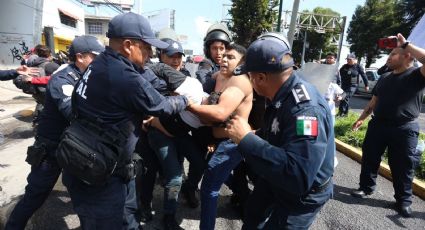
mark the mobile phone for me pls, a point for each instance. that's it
(387, 43)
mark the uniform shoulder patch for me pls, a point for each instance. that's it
(307, 126)
(300, 93)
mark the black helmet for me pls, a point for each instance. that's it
(216, 32)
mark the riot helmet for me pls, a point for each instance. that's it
(216, 32)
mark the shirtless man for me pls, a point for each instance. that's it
(235, 98)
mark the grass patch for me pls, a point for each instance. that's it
(344, 133)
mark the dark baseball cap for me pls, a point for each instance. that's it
(85, 44)
(135, 26)
(173, 47)
(351, 56)
(266, 53)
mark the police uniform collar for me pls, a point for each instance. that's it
(73, 71)
(285, 90)
(110, 51)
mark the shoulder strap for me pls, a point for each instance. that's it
(300, 93)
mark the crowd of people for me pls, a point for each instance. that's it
(113, 123)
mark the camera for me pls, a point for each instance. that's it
(387, 43)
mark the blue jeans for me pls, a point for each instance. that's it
(171, 165)
(170, 152)
(223, 161)
(41, 181)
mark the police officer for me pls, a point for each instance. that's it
(396, 105)
(114, 91)
(293, 152)
(53, 120)
(173, 55)
(215, 42)
(349, 82)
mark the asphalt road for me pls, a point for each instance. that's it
(342, 212)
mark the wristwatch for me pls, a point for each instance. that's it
(405, 45)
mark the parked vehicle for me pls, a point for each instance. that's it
(372, 77)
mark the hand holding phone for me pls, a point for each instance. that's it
(387, 43)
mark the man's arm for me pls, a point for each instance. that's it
(228, 102)
(8, 74)
(146, 99)
(13, 73)
(61, 91)
(415, 51)
(173, 77)
(291, 163)
(364, 77)
(366, 112)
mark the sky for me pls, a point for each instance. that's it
(193, 17)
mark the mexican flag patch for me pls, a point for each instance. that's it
(307, 126)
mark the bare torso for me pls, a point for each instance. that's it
(235, 87)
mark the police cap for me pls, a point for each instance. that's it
(266, 54)
(85, 44)
(173, 47)
(135, 26)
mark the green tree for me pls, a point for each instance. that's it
(374, 20)
(250, 18)
(319, 44)
(412, 11)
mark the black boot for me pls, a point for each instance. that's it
(190, 195)
(146, 213)
(170, 223)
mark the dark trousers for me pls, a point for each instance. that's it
(265, 209)
(401, 141)
(110, 206)
(41, 181)
(145, 181)
(344, 105)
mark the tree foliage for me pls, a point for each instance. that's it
(381, 18)
(412, 11)
(318, 43)
(251, 18)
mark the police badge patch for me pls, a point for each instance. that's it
(307, 126)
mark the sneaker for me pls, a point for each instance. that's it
(190, 195)
(170, 223)
(359, 193)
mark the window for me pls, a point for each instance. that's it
(67, 20)
(95, 28)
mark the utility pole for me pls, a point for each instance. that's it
(341, 38)
(279, 19)
(291, 31)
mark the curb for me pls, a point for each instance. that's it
(418, 186)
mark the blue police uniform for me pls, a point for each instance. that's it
(294, 166)
(8, 74)
(113, 92)
(54, 119)
(204, 74)
(349, 82)
(394, 126)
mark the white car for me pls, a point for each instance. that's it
(372, 77)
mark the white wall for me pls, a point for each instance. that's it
(20, 26)
(159, 19)
(51, 18)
